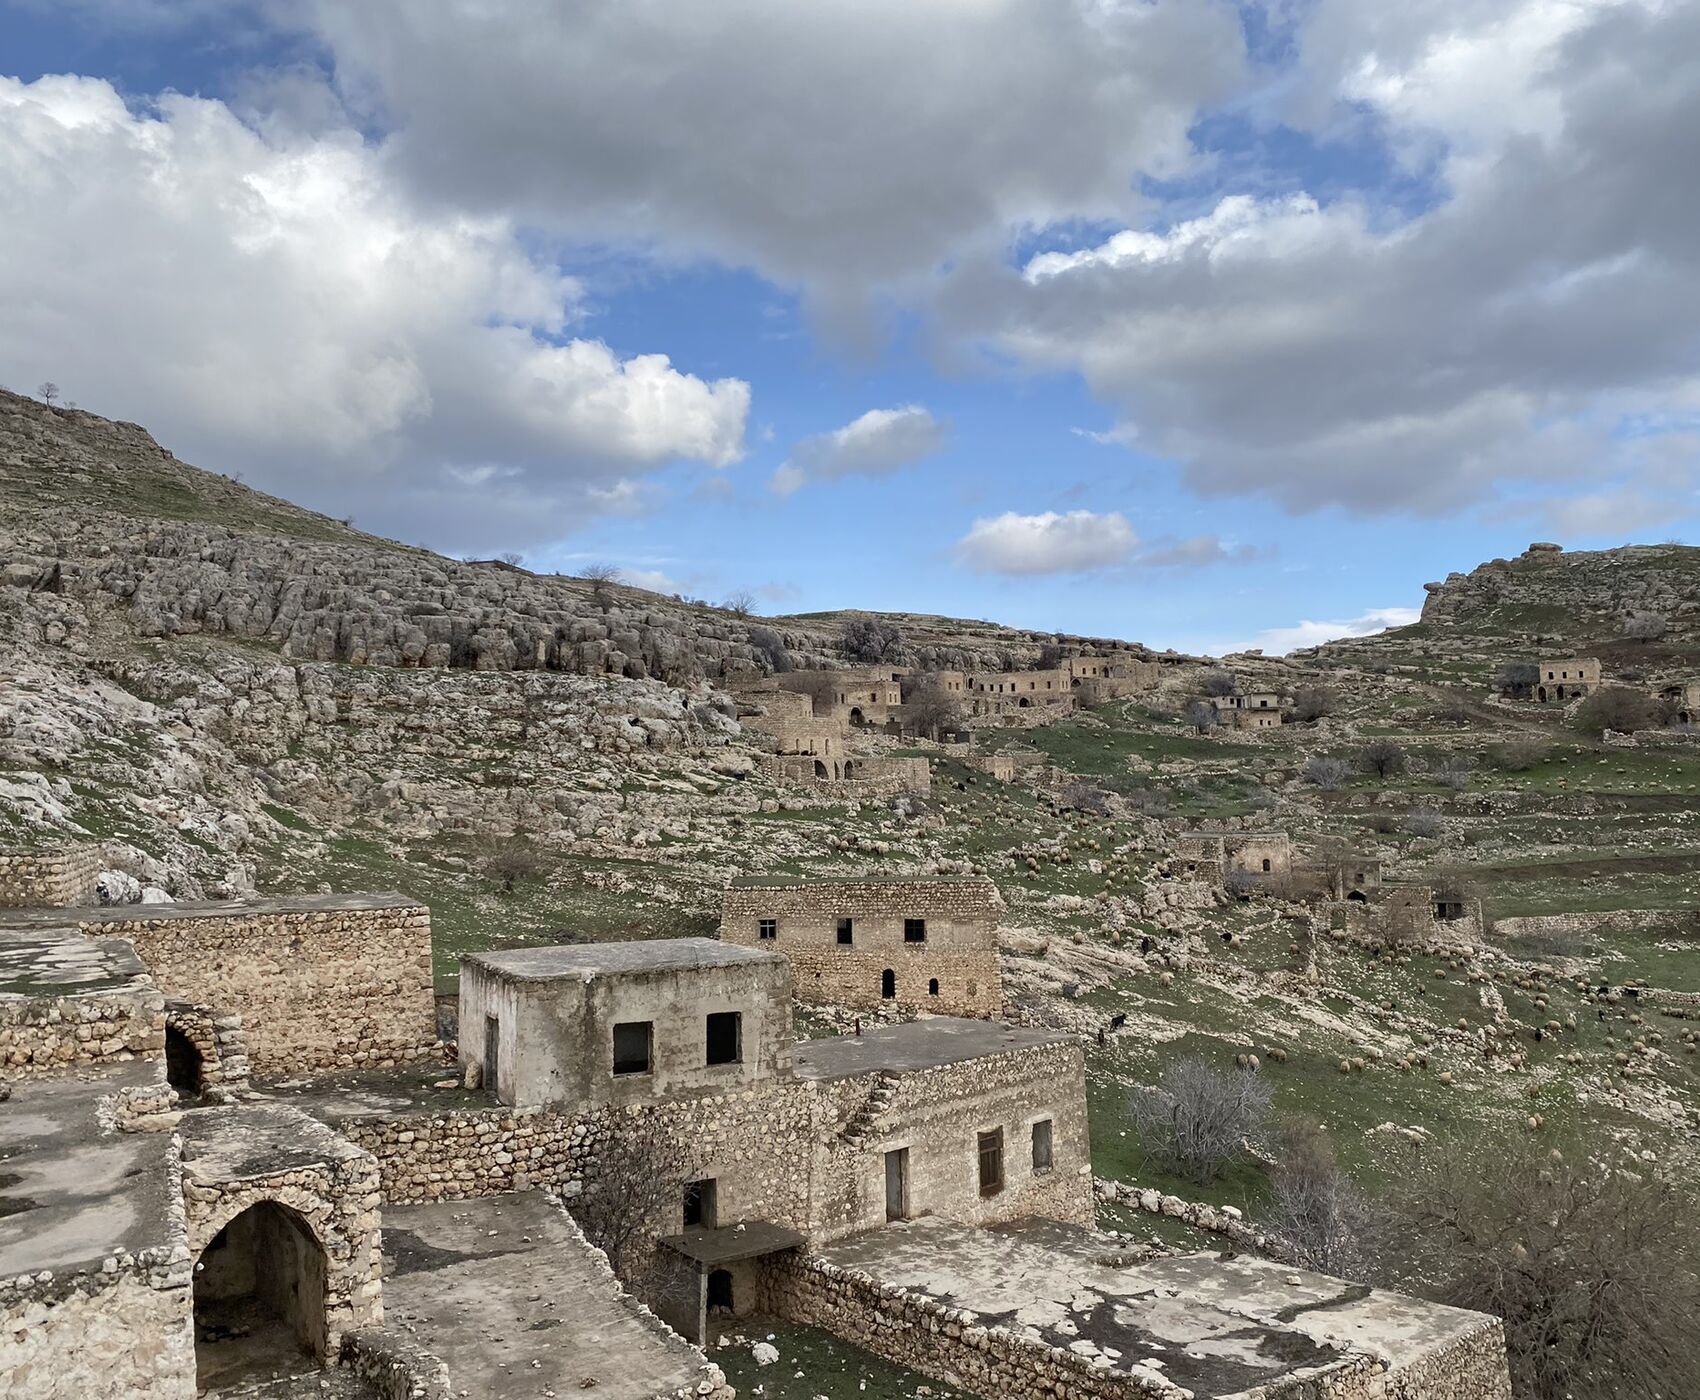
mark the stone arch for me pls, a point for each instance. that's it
(821, 770)
(1541, 694)
(1023, 703)
(849, 767)
(185, 1066)
(260, 1290)
(1358, 897)
(932, 986)
(856, 715)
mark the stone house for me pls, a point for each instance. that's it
(1252, 859)
(923, 944)
(857, 697)
(1564, 678)
(1684, 696)
(1255, 709)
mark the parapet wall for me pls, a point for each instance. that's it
(319, 983)
(42, 1034)
(49, 879)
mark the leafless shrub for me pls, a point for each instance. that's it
(872, 639)
(1520, 755)
(511, 863)
(1383, 757)
(600, 577)
(1149, 802)
(1087, 797)
(1202, 715)
(1218, 683)
(1314, 702)
(1455, 771)
(1646, 626)
(632, 1192)
(1424, 821)
(1595, 1267)
(740, 604)
(1315, 1209)
(1517, 679)
(1200, 1119)
(931, 709)
(1455, 706)
(1327, 773)
(1618, 708)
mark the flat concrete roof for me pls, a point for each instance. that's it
(256, 1139)
(61, 962)
(730, 1243)
(806, 882)
(583, 961)
(914, 1045)
(507, 1295)
(72, 1192)
(72, 916)
(1221, 1326)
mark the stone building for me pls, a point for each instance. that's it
(403, 1224)
(1255, 709)
(1564, 678)
(924, 944)
(1684, 697)
(1249, 858)
(810, 748)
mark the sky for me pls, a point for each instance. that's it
(1201, 323)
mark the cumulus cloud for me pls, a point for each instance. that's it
(1337, 353)
(274, 302)
(837, 144)
(878, 443)
(1281, 640)
(1025, 545)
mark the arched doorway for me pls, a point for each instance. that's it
(720, 1299)
(1541, 694)
(259, 1298)
(888, 984)
(849, 767)
(183, 1065)
(821, 770)
(1023, 703)
(1358, 897)
(856, 715)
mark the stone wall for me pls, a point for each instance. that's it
(39, 1034)
(852, 776)
(1473, 1367)
(955, 971)
(50, 879)
(394, 1367)
(103, 1336)
(319, 983)
(938, 1114)
(1537, 925)
(219, 1042)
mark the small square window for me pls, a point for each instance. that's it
(725, 1037)
(767, 929)
(1042, 1145)
(914, 930)
(991, 1162)
(632, 1044)
(846, 932)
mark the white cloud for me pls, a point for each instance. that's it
(1024, 545)
(656, 580)
(878, 443)
(1278, 641)
(275, 303)
(838, 144)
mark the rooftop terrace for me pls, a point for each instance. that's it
(584, 961)
(914, 1045)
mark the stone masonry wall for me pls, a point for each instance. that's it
(48, 879)
(316, 987)
(41, 1034)
(954, 972)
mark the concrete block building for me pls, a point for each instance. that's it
(924, 944)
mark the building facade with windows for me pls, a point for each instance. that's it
(921, 944)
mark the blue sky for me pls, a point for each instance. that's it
(1198, 324)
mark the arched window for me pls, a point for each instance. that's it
(932, 986)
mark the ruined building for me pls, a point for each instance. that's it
(1564, 678)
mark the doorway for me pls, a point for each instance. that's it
(492, 1054)
(183, 1064)
(720, 1299)
(259, 1298)
(897, 1184)
(888, 984)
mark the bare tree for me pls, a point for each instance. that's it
(1200, 1119)
(1314, 702)
(512, 558)
(632, 1192)
(1517, 679)
(1326, 772)
(1087, 797)
(48, 391)
(1202, 715)
(872, 639)
(1218, 683)
(1315, 1209)
(741, 603)
(1455, 706)
(1424, 821)
(1454, 771)
(930, 708)
(1384, 758)
(1646, 626)
(1618, 708)
(601, 577)
(1520, 754)
(512, 862)
(1594, 1266)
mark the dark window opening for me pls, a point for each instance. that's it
(632, 1043)
(259, 1297)
(846, 932)
(767, 929)
(991, 1162)
(914, 930)
(700, 1203)
(182, 1062)
(1042, 1145)
(1266, 867)
(492, 1053)
(932, 986)
(725, 1037)
(888, 984)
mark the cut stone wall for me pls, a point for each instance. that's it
(40, 1034)
(49, 879)
(319, 983)
(955, 971)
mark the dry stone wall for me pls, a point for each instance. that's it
(57, 1029)
(319, 984)
(49, 879)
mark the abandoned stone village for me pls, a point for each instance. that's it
(239, 1159)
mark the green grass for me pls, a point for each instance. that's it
(813, 1363)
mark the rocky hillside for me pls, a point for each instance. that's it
(98, 512)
